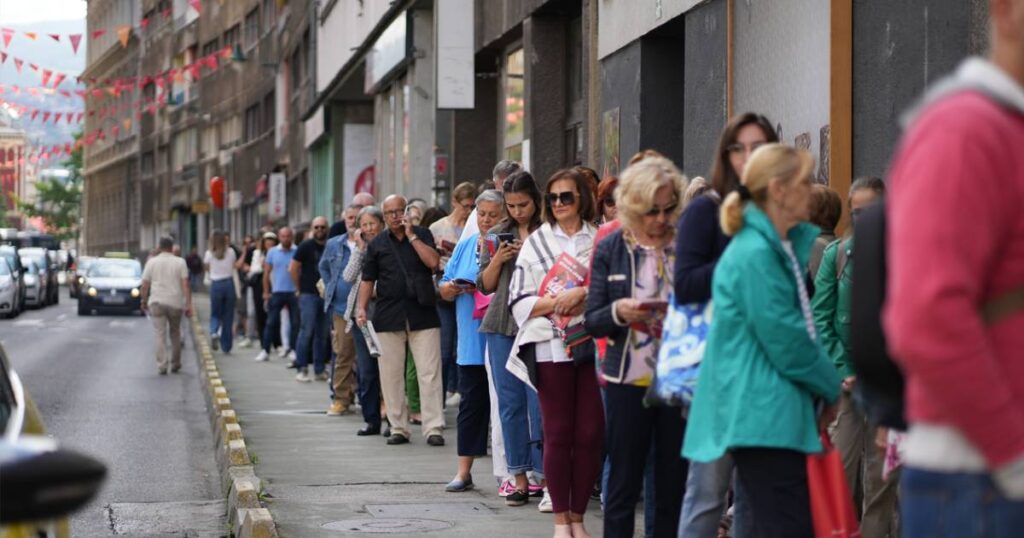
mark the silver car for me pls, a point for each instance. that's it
(8, 290)
(35, 284)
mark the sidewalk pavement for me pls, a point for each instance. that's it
(321, 479)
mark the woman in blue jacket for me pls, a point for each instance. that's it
(630, 275)
(699, 244)
(764, 370)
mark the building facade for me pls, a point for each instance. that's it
(16, 175)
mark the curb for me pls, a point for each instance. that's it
(247, 516)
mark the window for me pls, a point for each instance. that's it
(211, 47)
(230, 131)
(252, 28)
(268, 112)
(147, 163)
(252, 123)
(269, 14)
(184, 149)
(232, 36)
(514, 117)
(297, 72)
(208, 142)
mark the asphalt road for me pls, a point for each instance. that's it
(95, 381)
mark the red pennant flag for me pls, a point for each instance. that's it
(67, 148)
(55, 37)
(55, 148)
(7, 33)
(17, 64)
(34, 91)
(58, 79)
(70, 117)
(46, 117)
(56, 117)
(78, 118)
(98, 34)
(65, 93)
(97, 93)
(3, 57)
(210, 61)
(194, 71)
(81, 93)
(17, 90)
(35, 112)
(160, 82)
(34, 67)
(114, 129)
(75, 39)
(124, 33)
(225, 53)
(166, 13)
(144, 23)
(46, 77)
(196, 5)
(31, 35)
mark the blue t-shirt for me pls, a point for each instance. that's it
(464, 264)
(279, 260)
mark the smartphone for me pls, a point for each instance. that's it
(654, 305)
(506, 238)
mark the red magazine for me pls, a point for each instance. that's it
(567, 273)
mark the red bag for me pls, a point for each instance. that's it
(831, 503)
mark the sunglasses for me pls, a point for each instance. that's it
(609, 202)
(667, 210)
(319, 227)
(564, 198)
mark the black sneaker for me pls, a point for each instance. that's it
(517, 498)
(435, 440)
(398, 439)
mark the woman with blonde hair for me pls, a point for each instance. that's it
(220, 263)
(765, 374)
(631, 278)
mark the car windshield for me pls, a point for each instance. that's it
(4, 269)
(115, 270)
(30, 265)
(84, 265)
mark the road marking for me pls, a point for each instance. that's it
(117, 323)
(29, 323)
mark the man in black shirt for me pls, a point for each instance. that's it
(314, 329)
(400, 262)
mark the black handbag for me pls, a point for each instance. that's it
(421, 286)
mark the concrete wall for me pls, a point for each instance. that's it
(899, 49)
(781, 66)
(344, 29)
(704, 104)
(545, 93)
(620, 88)
(622, 21)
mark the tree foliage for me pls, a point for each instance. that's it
(58, 201)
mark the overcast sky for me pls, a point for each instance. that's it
(23, 11)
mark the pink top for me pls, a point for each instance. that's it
(956, 241)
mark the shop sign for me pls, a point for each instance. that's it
(278, 193)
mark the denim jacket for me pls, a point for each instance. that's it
(332, 264)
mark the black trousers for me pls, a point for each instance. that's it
(629, 430)
(474, 411)
(775, 484)
(261, 311)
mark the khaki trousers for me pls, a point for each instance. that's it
(344, 378)
(874, 498)
(426, 351)
(166, 320)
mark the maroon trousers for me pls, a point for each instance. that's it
(573, 421)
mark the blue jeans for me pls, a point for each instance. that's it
(518, 408)
(961, 505)
(449, 339)
(368, 375)
(222, 311)
(277, 302)
(314, 333)
(704, 502)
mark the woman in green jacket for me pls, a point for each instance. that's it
(766, 387)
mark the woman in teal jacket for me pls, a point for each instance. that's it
(764, 370)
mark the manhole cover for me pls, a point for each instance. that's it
(388, 526)
(449, 510)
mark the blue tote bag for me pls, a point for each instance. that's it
(684, 336)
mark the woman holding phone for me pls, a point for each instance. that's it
(518, 407)
(629, 289)
(458, 285)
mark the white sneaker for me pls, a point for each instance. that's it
(262, 356)
(291, 356)
(545, 503)
(244, 342)
(304, 377)
(283, 353)
(453, 400)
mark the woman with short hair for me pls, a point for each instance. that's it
(563, 374)
(764, 370)
(629, 288)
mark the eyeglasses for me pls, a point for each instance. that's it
(741, 148)
(319, 227)
(667, 210)
(564, 198)
(468, 207)
(394, 212)
(609, 202)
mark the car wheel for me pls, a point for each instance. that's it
(82, 310)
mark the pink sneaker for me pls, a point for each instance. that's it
(536, 490)
(507, 487)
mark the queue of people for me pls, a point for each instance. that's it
(539, 309)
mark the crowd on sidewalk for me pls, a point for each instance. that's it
(549, 313)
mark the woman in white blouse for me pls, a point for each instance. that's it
(220, 264)
(571, 411)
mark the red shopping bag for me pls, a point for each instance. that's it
(831, 503)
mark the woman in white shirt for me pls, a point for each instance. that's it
(254, 279)
(570, 402)
(220, 264)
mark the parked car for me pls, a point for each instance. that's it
(8, 290)
(79, 268)
(36, 284)
(46, 269)
(10, 255)
(111, 285)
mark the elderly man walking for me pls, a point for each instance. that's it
(166, 295)
(401, 262)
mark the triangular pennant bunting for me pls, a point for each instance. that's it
(31, 35)
(17, 64)
(58, 79)
(3, 57)
(144, 23)
(55, 37)
(196, 5)
(75, 39)
(7, 33)
(98, 34)
(46, 76)
(124, 33)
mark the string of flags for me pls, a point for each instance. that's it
(123, 31)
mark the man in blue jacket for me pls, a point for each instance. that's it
(332, 264)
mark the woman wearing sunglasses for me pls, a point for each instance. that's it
(629, 289)
(606, 199)
(564, 376)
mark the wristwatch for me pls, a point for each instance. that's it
(413, 238)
